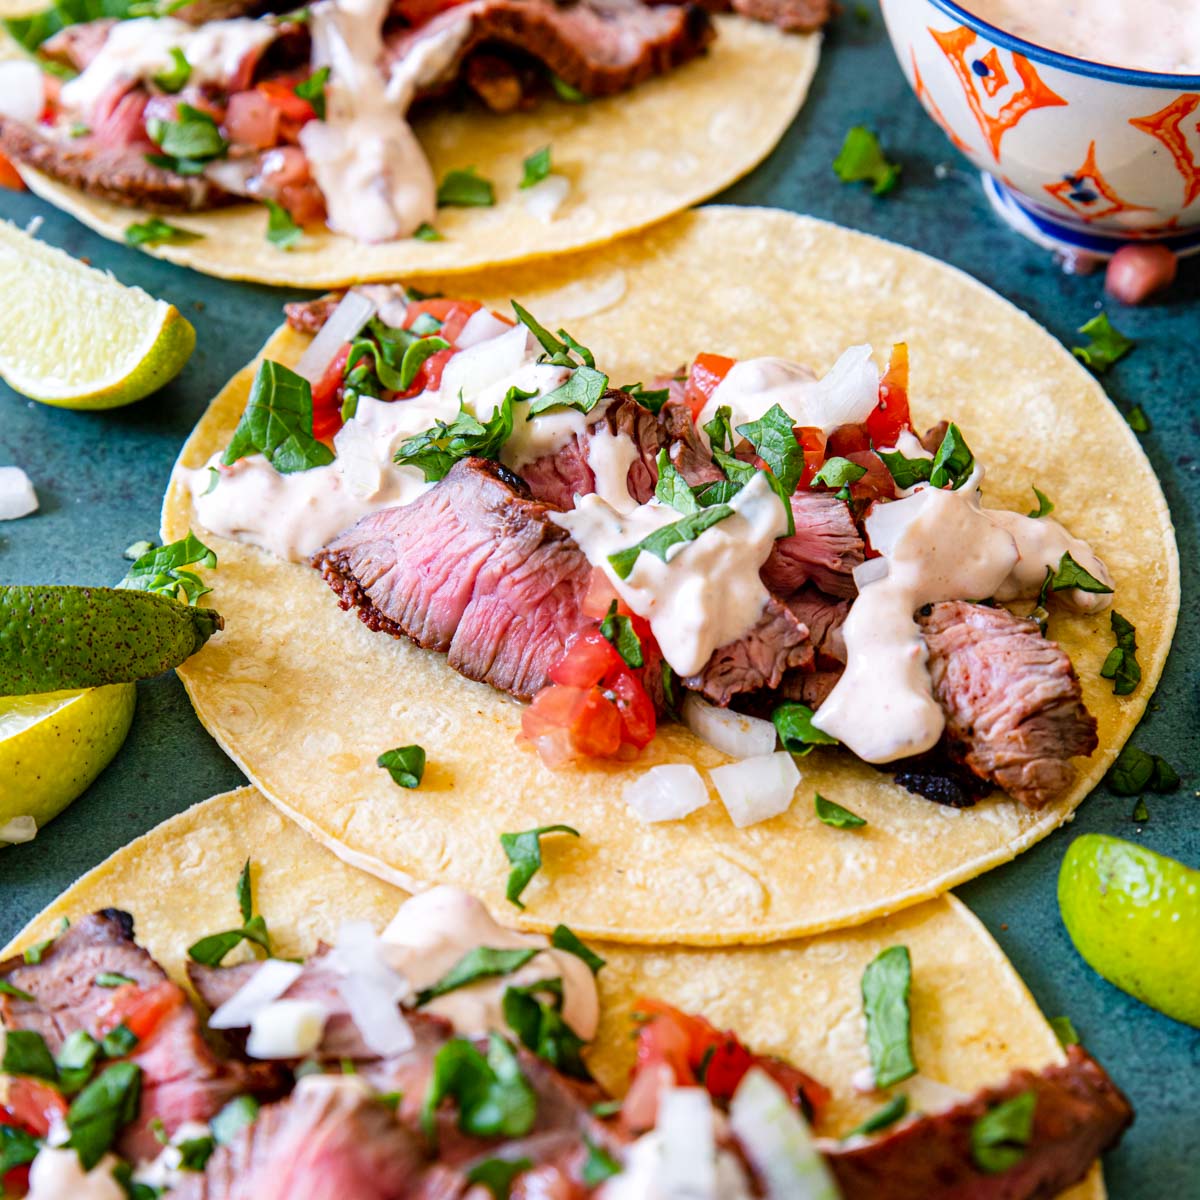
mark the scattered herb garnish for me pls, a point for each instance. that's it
(176, 76)
(26, 1053)
(33, 954)
(212, 949)
(154, 231)
(861, 159)
(831, 813)
(76, 1060)
(599, 1164)
(119, 1042)
(1138, 421)
(566, 92)
(581, 391)
(1107, 345)
(794, 724)
(661, 540)
(619, 631)
(32, 31)
(78, 129)
(102, 1110)
(672, 489)
(906, 472)
(774, 441)
(436, 450)
(1064, 1030)
(483, 962)
(1000, 1137)
(312, 89)
(188, 143)
(566, 939)
(160, 569)
(194, 1153)
(465, 189)
(16, 1148)
(405, 764)
(1071, 575)
(652, 399)
(1044, 508)
(1121, 665)
(540, 1026)
(953, 462)
(1141, 814)
(282, 231)
(11, 989)
(1137, 771)
(278, 423)
(233, 1118)
(426, 233)
(838, 473)
(497, 1174)
(111, 979)
(889, 1114)
(524, 852)
(493, 1097)
(607, 1108)
(537, 167)
(886, 984)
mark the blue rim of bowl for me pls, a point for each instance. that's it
(1066, 62)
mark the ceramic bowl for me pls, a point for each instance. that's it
(1079, 156)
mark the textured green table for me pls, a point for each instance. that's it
(101, 477)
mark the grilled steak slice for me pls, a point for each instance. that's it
(795, 16)
(804, 687)
(328, 1140)
(824, 550)
(76, 45)
(1014, 707)
(182, 1080)
(757, 660)
(824, 618)
(1079, 1114)
(474, 568)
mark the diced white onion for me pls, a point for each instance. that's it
(482, 325)
(863, 1080)
(667, 792)
(689, 1154)
(730, 732)
(22, 93)
(18, 830)
(778, 1142)
(286, 1029)
(233, 174)
(371, 989)
(757, 789)
(544, 199)
(847, 394)
(359, 458)
(343, 325)
(265, 986)
(471, 371)
(17, 497)
(869, 571)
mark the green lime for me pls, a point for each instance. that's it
(52, 746)
(1135, 917)
(57, 638)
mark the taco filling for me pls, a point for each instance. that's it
(307, 112)
(741, 545)
(447, 1057)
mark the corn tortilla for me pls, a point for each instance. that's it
(304, 697)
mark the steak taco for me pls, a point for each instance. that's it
(792, 647)
(368, 139)
(314, 1033)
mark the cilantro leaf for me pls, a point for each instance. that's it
(11, 989)
(774, 441)
(953, 462)
(672, 488)
(540, 1026)
(1121, 665)
(830, 813)
(111, 979)
(619, 631)
(188, 143)
(1045, 507)
(436, 450)
(889, 1114)
(838, 473)
(102, 1110)
(211, 950)
(537, 167)
(176, 76)
(282, 231)
(720, 435)
(581, 391)
(1141, 814)
(1071, 575)
(483, 962)
(599, 1164)
(566, 92)
(651, 399)
(660, 541)
(524, 852)
(233, 1118)
(33, 30)
(1138, 421)
(1064, 1030)
(492, 1095)
(16, 1148)
(1000, 1137)
(426, 233)
(794, 724)
(465, 189)
(1107, 344)
(161, 569)
(312, 89)
(861, 159)
(1137, 771)
(156, 230)
(26, 1053)
(561, 351)
(278, 423)
(497, 1174)
(565, 939)
(886, 984)
(405, 764)
(906, 472)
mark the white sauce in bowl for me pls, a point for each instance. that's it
(1150, 35)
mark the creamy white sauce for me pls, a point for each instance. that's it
(377, 182)
(937, 545)
(56, 1174)
(610, 455)
(1149, 35)
(435, 929)
(689, 616)
(140, 49)
(646, 1174)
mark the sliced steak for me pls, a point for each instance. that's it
(182, 1079)
(756, 661)
(309, 316)
(474, 568)
(794, 16)
(824, 618)
(76, 45)
(804, 687)
(1079, 1114)
(1014, 708)
(824, 550)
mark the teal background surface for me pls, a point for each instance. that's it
(100, 478)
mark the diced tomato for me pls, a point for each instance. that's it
(252, 119)
(707, 371)
(32, 1105)
(280, 93)
(327, 397)
(417, 12)
(140, 1010)
(10, 177)
(638, 718)
(812, 442)
(600, 596)
(846, 440)
(453, 314)
(429, 377)
(891, 415)
(589, 659)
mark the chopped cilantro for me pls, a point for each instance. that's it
(830, 813)
(565, 939)
(1071, 575)
(718, 430)
(188, 143)
(26, 1053)
(161, 569)
(1138, 421)
(652, 399)
(658, 543)
(537, 167)
(312, 89)
(465, 189)
(953, 462)
(119, 1042)
(483, 962)
(599, 1164)
(11, 989)
(838, 473)
(1141, 814)
(906, 472)
(1064, 1030)
(1137, 771)
(581, 391)
(1000, 1137)
(436, 450)
(426, 233)
(154, 231)
(540, 1026)
(278, 423)
(493, 1097)
(619, 631)
(861, 159)
(17, 1148)
(794, 724)
(33, 30)
(282, 231)
(1121, 665)
(111, 979)
(233, 1118)
(497, 1174)
(405, 764)
(889, 1114)
(524, 852)
(774, 441)
(1107, 344)
(176, 76)
(672, 488)
(1044, 508)
(886, 984)
(564, 91)
(211, 950)
(102, 1110)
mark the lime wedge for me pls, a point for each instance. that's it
(76, 338)
(54, 638)
(52, 746)
(1134, 916)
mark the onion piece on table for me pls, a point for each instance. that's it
(18, 830)
(732, 733)
(757, 789)
(667, 792)
(17, 497)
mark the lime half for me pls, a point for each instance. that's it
(53, 745)
(1134, 916)
(76, 338)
